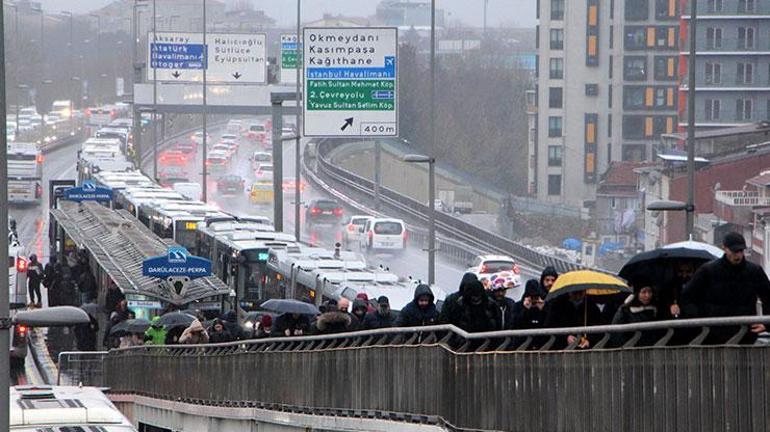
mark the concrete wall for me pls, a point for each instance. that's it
(406, 178)
(180, 416)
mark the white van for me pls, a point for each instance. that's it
(189, 190)
(384, 235)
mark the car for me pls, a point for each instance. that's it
(186, 147)
(323, 211)
(232, 146)
(264, 172)
(229, 137)
(260, 157)
(218, 161)
(197, 137)
(171, 175)
(172, 158)
(354, 228)
(486, 266)
(261, 192)
(234, 126)
(290, 184)
(256, 132)
(288, 132)
(231, 184)
(381, 234)
(224, 148)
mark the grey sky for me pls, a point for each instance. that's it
(520, 12)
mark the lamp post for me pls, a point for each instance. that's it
(69, 55)
(98, 53)
(690, 210)
(154, 96)
(42, 115)
(39, 9)
(416, 158)
(297, 154)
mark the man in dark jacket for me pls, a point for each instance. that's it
(728, 286)
(547, 279)
(291, 325)
(382, 317)
(575, 309)
(450, 310)
(505, 307)
(528, 313)
(34, 278)
(87, 286)
(230, 321)
(113, 298)
(477, 311)
(421, 311)
(219, 333)
(359, 313)
(335, 319)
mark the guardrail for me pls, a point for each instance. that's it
(483, 381)
(472, 239)
(81, 368)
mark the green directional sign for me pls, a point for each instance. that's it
(351, 81)
(289, 60)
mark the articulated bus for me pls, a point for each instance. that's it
(239, 258)
(177, 219)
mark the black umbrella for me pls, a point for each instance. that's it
(655, 263)
(175, 319)
(290, 306)
(92, 309)
(130, 326)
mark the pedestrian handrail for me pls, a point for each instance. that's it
(449, 225)
(701, 323)
(81, 368)
(474, 381)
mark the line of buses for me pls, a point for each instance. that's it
(247, 253)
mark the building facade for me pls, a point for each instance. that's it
(732, 62)
(607, 89)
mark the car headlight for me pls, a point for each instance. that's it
(249, 325)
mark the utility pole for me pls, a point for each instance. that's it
(154, 96)
(297, 153)
(690, 209)
(5, 361)
(204, 188)
(432, 154)
(377, 173)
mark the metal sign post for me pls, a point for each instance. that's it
(351, 82)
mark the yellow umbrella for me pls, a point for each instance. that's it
(592, 282)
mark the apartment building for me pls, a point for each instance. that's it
(606, 90)
(732, 62)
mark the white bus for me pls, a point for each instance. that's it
(25, 173)
(64, 408)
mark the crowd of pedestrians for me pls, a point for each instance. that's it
(728, 286)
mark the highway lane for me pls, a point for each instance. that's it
(412, 262)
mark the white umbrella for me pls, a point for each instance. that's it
(691, 244)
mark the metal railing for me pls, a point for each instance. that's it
(482, 381)
(81, 367)
(470, 238)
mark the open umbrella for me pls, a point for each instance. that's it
(175, 319)
(592, 282)
(572, 244)
(695, 245)
(290, 306)
(657, 262)
(130, 326)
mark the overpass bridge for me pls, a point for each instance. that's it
(442, 378)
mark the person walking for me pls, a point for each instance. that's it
(289, 324)
(450, 310)
(35, 275)
(360, 308)
(477, 311)
(547, 279)
(382, 317)
(219, 333)
(528, 313)
(335, 319)
(639, 307)
(156, 334)
(421, 311)
(505, 307)
(194, 334)
(728, 286)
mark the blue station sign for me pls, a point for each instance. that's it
(88, 191)
(176, 262)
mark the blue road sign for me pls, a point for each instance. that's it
(176, 262)
(177, 56)
(386, 72)
(88, 191)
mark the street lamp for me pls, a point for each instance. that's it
(39, 9)
(416, 158)
(98, 52)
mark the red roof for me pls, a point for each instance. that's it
(621, 173)
(761, 180)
